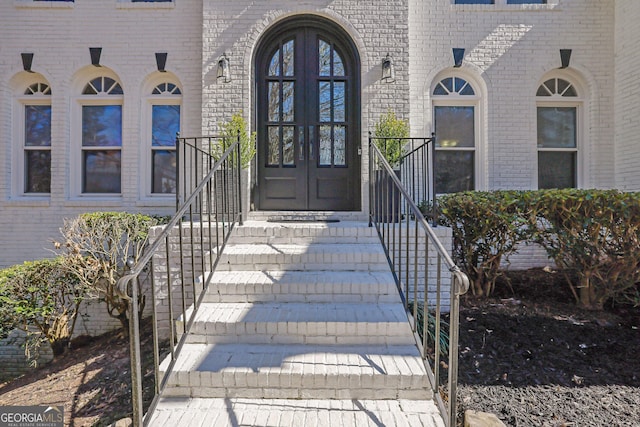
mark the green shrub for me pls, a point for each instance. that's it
(594, 234)
(386, 130)
(486, 228)
(235, 127)
(98, 246)
(44, 295)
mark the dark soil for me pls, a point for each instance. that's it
(92, 381)
(531, 357)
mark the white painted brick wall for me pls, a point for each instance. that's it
(12, 357)
(60, 37)
(627, 92)
(510, 48)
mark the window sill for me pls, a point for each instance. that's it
(143, 5)
(31, 4)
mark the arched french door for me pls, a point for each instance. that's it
(308, 118)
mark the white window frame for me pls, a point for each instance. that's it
(129, 4)
(19, 177)
(557, 100)
(457, 100)
(77, 150)
(146, 175)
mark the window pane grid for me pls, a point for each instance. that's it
(165, 124)
(37, 143)
(455, 157)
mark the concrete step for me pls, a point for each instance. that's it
(304, 232)
(300, 323)
(304, 257)
(233, 412)
(276, 371)
(302, 286)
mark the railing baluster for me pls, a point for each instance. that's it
(387, 213)
(415, 275)
(438, 326)
(172, 338)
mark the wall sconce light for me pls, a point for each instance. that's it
(95, 53)
(161, 61)
(224, 72)
(388, 70)
(565, 57)
(458, 57)
(27, 60)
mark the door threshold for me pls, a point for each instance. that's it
(306, 216)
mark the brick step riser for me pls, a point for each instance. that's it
(287, 231)
(291, 386)
(345, 339)
(388, 332)
(302, 240)
(298, 393)
(299, 297)
(309, 262)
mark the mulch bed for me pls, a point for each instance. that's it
(531, 357)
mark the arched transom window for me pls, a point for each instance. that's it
(455, 107)
(558, 109)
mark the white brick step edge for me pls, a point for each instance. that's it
(316, 256)
(298, 372)
(305, 231)
(302, 286)
(219, 412)
(300, 323)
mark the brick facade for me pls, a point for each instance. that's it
(508, 51)
(627, 95)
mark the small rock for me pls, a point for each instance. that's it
(123, 422)
(481, 419)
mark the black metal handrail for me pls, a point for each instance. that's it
(415, 164)
(421, 267)
(199, 229)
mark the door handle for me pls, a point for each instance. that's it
(311, 141)
(301, 142)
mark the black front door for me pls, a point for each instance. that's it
(307, 119)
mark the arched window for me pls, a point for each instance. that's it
(455, 109)
(164, 105)
(101, 136)
(558, 108)
(35, 165)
